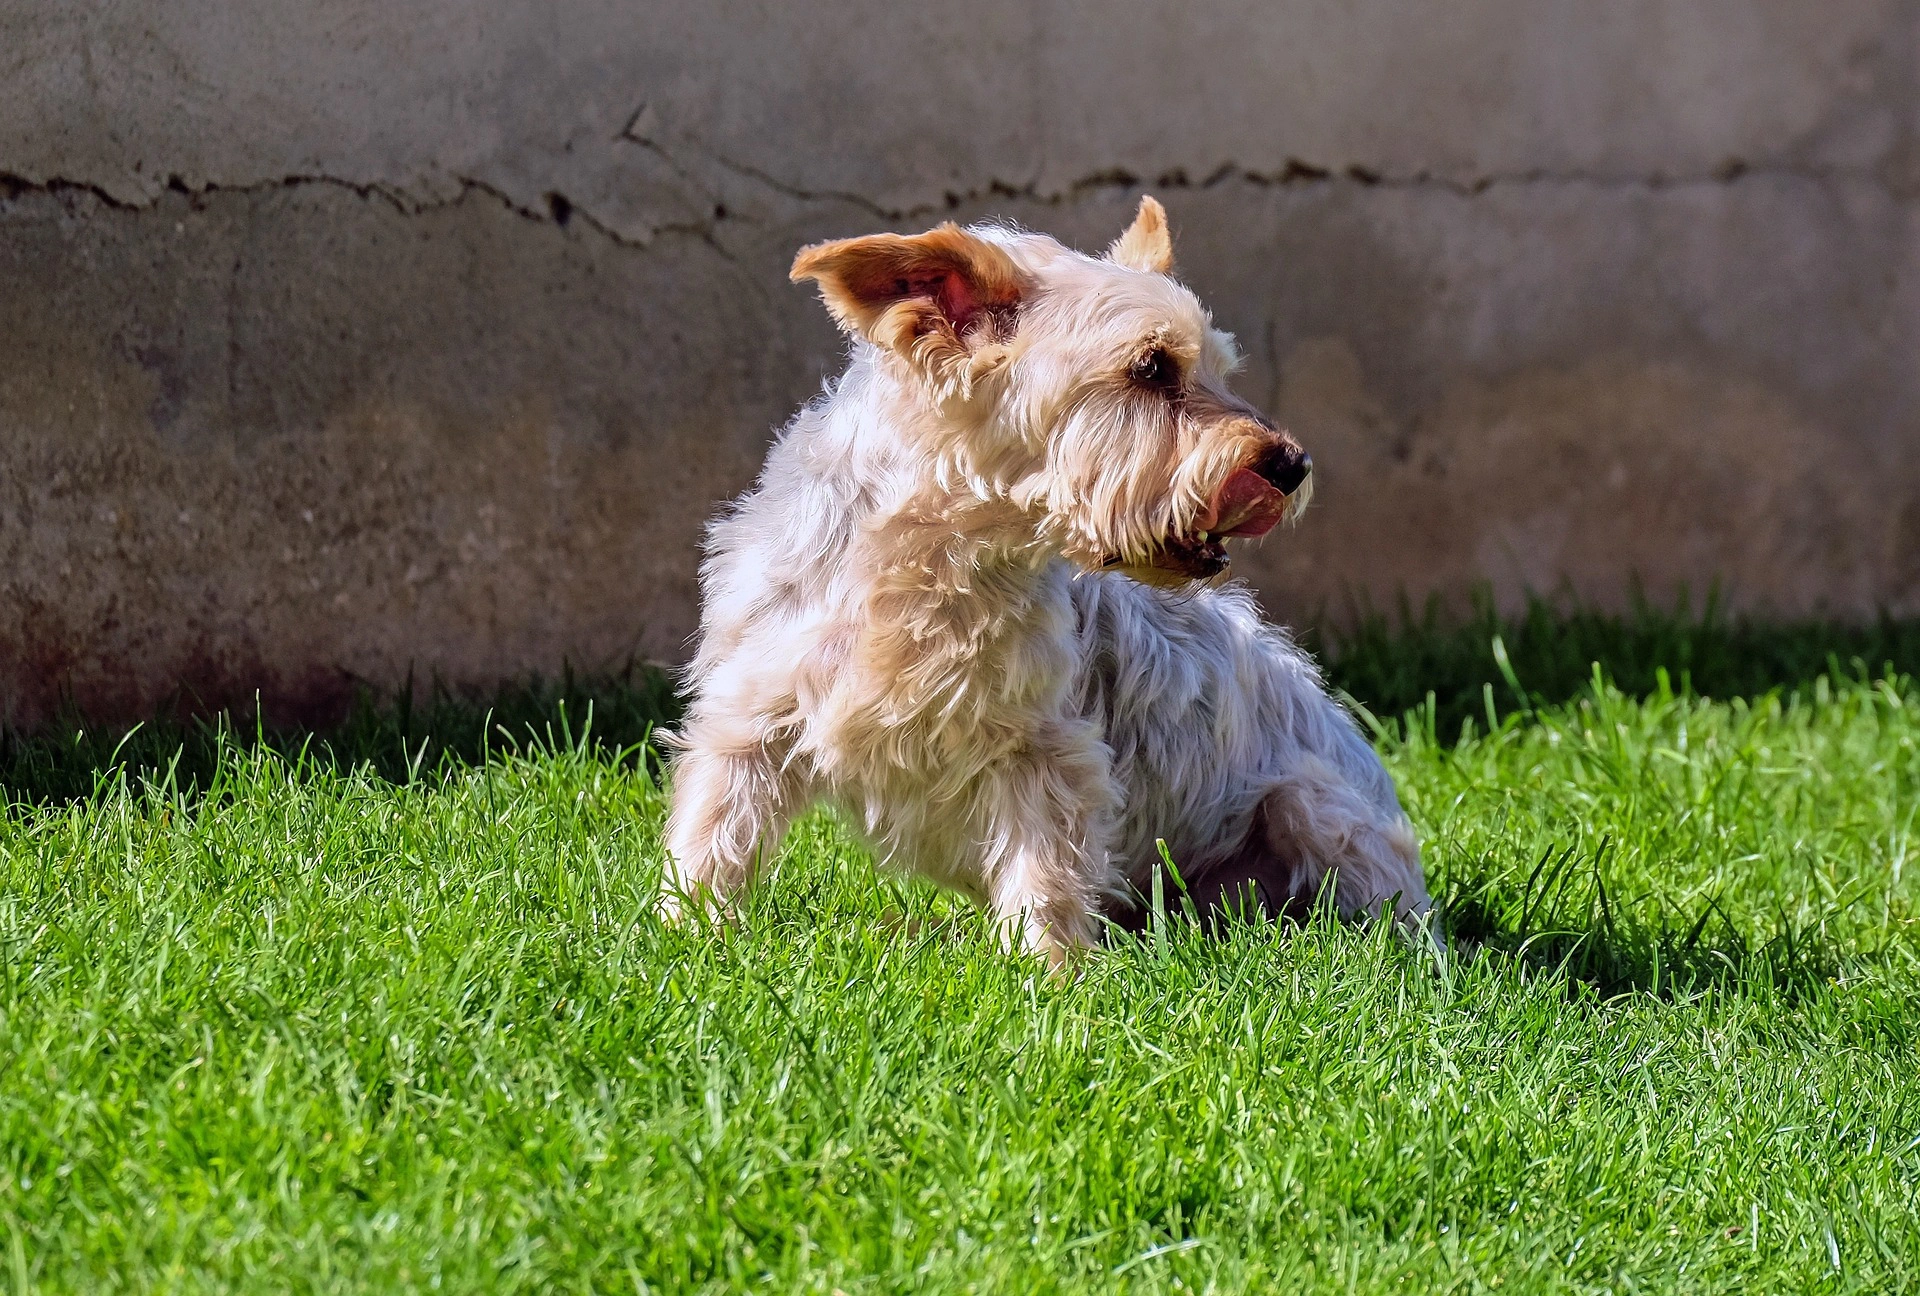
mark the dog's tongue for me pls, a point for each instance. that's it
(1247, 505)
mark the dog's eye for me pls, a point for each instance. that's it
(1156, 370)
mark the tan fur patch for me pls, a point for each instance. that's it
(1148, 243)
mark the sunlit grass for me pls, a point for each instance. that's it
(390, 1012)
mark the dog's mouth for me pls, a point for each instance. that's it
(1246, 505)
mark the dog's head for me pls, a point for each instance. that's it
(1089, 392)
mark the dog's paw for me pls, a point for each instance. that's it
(670, 907)
(700, 906)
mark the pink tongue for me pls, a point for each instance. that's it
(1247, 504)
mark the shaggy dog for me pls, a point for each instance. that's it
(976, 601)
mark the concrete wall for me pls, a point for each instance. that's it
(339, 338)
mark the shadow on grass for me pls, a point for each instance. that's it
(1452, 668)
(1449, 668)
(417, 733)
(1566, 918)
(1445, 672)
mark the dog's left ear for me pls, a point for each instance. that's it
(1148, 244)
(912, 293)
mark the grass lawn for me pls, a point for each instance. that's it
(338, 1017)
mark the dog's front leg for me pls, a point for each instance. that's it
(729, 810)
(1047, 817)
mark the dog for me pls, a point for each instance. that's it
(977, 601)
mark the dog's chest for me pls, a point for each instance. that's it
(936, 692)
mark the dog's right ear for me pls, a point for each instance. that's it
(920, 295)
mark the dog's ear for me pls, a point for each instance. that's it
(913, 293)
(1147, 244)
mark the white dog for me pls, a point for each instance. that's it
(974, 602)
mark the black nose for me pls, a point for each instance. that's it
(1286, 466)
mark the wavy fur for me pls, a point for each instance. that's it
(921, 612)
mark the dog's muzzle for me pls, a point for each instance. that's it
(1249, 503)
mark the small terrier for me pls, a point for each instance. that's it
(977, 602)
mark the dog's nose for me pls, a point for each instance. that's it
(1286, 466)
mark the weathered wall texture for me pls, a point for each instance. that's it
(342, 338)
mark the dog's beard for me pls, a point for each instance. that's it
(1176, 561)
(1246, 506)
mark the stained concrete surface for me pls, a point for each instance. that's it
(340, 341)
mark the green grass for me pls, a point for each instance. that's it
(388, 1011)
(1432, 661)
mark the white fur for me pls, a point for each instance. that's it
(906, 618)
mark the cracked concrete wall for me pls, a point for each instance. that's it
(341, 339)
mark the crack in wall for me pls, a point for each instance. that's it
(561, 210)
(1306, 174)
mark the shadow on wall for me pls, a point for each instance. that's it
(1418, 669)
(423, 732)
